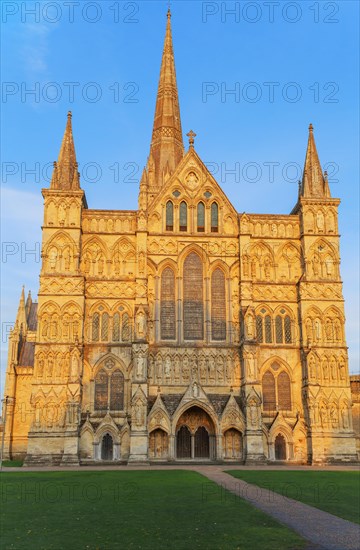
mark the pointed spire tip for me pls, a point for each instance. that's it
(311, 127)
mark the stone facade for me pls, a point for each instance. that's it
(181, 330)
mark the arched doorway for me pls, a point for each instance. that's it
(232, 444)
(158, 444)
(202, 444)
(280, 447)
(195, 435)
(107, 447)
(183, 442)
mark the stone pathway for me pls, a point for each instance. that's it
(321, 529)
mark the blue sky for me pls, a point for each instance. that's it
(287, 63)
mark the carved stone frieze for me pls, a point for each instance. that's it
(110, 289)
(272, 292)
(61, 285)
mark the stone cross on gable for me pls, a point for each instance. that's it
(191, 135)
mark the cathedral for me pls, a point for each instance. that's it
(183, 330)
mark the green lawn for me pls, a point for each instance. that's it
(335, 492)
(127, 510)
(12, 463)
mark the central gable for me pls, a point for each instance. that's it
(192, 183)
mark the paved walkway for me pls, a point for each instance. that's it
(321, 529)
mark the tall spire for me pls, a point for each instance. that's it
(314, 184)
(65, 176)
(21, 313)
(167, 148)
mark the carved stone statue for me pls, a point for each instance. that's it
(138, 413)
(312, 367)
(167, 368)
(140, 364)
(159, 368)
(250, 326)
(329, 266)
(253, 413)
(141, 324)
(251, 365)
(74, 366)
(317, 325)
(309, 330)
(345, 417)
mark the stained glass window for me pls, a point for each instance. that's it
(105, 327)
(268, 333)
(101, 391)
(287, 323)
(95, 327)
(218, 306)
(284, 391)
(169, 216)
(214, 218)
(116, 328)
(193, 317)
(183, 216)
(117, 391)
(125, 331)
(201, 217)
(167, 305)
(268, 389)
(279, 330)
(259, 328)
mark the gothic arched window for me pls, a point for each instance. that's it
(283, 391)
(95, 327)
(259, 329)
(268, 331)
(193, 308)
(287, 327)
(169, 216)
(116, 328)
(125, 329)
(117, 391)
(167, 305)
(283, 328)
(201, 217)
(101, 391)
(105, 327)
(218, 306)
(269, 393)
(279, 331)
(109, 390)
(214, 218)
(276, 389)
(183, 216)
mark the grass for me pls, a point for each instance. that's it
(335, 492)
(106, 510)
(13, 463)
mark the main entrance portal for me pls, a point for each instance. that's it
(195, 435)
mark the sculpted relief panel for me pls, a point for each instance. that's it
(100, 261)
(106, 222)
(62, 212)
(210, 367)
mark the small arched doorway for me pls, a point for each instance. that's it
(107, 447)
(158, 444)
(202, 443)
(280, 447)
(195, 435)
(233, 444)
